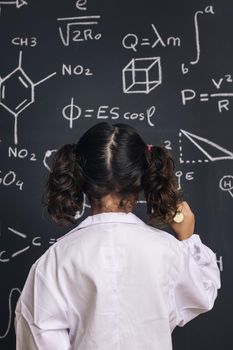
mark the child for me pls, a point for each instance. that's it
(115, 282)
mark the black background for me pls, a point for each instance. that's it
(42, 126)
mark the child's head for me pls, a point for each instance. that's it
(111, 159)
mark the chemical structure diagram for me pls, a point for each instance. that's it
(226, 184)
(18, 81)
(36, 241)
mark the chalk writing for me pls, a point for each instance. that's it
(226, 184)
(187, 95)
(10, 178)
(81, 5)
(71, 29)
(207, 10)
(34, 242)
(32, 42)
(131, 41)
(10, 314)
(73, 112)
(21, 153)
(188, 176)
(75, 70)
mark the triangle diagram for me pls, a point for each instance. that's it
(210, 149)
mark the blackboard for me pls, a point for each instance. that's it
(164, 67)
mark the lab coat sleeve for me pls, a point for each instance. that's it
(198, 280)
(40, 316)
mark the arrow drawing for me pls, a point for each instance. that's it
(18, 3)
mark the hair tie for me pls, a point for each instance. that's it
(149, 147)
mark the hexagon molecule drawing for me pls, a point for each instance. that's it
(17, 92)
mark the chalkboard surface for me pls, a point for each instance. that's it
(164, 67)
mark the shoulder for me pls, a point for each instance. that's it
(162, 235)
(48, 262)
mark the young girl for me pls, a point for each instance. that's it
(115, 282)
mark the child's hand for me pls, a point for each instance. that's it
(185, 228)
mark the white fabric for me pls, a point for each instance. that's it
(115, 283)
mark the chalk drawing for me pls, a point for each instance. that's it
(18, 81)
(71, 112)
(17, 3)
(47, 155)
(219, 262)
(142, 75)
(226, 184)
(197, 38)
(71, 29)
(80, 213)
(34, 242)
(10, 315)
(188, 176)
(200, 143)
(207, 10)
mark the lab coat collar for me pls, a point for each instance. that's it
(110, 217)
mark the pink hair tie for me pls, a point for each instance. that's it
(149, 147)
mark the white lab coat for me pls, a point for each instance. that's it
(114, 283)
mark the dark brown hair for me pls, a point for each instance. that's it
(111, 158)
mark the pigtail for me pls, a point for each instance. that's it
(160, 185)
(64, 188)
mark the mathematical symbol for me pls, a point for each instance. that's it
(35, 241)
(72, 26)
(223, 94)
(204, 97)
(88, 111)
(52, 240)
(145, 41)
(68, 112)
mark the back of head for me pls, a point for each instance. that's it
(111, 159)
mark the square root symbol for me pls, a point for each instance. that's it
(142, 75)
